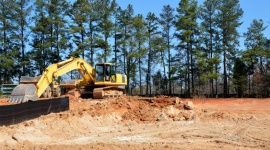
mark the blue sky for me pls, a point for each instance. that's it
(252, 10)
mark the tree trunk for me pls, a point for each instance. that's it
(225, 74)
(82, 42)
(169, 67)
(188, 71)
(91, 44)
(192, 68)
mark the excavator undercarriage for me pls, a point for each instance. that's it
(100, 93)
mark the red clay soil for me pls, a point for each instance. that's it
(3, 101)
(132, 122)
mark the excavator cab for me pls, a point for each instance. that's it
(104, 72)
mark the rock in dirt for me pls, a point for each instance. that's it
(189, 105)
(178, 101)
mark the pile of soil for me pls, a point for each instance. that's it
(139, 109)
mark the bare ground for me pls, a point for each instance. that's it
(146, 123)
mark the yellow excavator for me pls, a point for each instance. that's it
(101, 81)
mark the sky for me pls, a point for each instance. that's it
(258, 9)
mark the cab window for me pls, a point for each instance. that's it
(99, 73)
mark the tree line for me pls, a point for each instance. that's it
(190, 50)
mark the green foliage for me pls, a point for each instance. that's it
(239, 77)
(41, 41)
(255, 42)
(78, 14)
(124, 22)
(49, 33)
(159, 82)
(8, 44)
(22, 19)
(92, 33)
(186, 22)
(106, 26)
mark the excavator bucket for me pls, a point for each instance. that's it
(23, 93)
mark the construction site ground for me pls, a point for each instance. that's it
(132, 122)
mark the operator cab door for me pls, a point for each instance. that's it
(104, 72)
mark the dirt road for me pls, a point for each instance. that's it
(146, 123)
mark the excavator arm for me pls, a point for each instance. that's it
(58, 69)
(24, 92)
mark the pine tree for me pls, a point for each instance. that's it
(140, 38)
(92, 33)
(9, 49)
(167, 20)
(132, 61)
(22, 19)
(57, 12)
(151, 22)
(117, 35)
(255, 44)
(210, 47)
(186, 27)
(255, 39)
(78, 14)
(41, 42)
(106, 27)
(229, 15)
(124, 22)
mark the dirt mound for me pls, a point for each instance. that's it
(139, 109)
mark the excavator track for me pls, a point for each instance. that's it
(100, 93)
